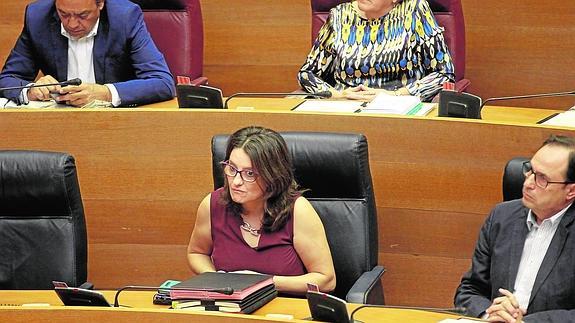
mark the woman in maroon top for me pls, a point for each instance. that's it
(258, 221)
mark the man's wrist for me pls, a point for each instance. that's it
(114, 96)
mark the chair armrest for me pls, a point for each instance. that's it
(368, 289)
(202, 80)
(462, 85)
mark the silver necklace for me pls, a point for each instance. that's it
(248, 228)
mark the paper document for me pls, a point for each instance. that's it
(564, 119)
(394, 104)
(346, 106)
(7, 104)
(422, 109)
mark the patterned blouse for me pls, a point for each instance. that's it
(404, 48)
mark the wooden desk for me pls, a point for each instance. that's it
(142, 310)
(144, 171)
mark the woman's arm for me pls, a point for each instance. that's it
(311, 245)
(200, 246)
(433, 52)
(319, 62)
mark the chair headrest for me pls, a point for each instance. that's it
(325, 5)
(161, 4)
(334, 165)
(513, 179)
(440, 5)
(35, 183)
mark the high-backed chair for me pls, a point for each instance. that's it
(335, 169)
(513, 179)
(177, 29)
(448, 13)
(42, 226)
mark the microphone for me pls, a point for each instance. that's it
(328, 308)
(322, 94)
(528, 96)
(224, 290)
(75, 81)
(466, 105)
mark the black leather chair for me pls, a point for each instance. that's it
(513, 179)
(335, 169)
(42, 226)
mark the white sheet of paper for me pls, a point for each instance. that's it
(5, 103)
(345, 106)
(392, 104)
(564, 119)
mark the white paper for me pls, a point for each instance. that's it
(564, 119)
(5, 103)
(346, 106)
(392, 104)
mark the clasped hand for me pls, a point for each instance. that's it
(505, 309)
(78, 96)
(360, 92)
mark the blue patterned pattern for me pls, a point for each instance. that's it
(404, 48)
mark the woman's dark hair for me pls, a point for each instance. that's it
(271, 160)
(568, 143)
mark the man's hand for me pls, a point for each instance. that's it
(505, 309)
(83, 94)
(43, 93)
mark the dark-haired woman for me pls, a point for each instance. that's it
(259, 221)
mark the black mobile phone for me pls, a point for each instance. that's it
(162, 299)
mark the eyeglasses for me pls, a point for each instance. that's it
(540, 179)
(247, 175)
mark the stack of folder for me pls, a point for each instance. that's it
(250, 292)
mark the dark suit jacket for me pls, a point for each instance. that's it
(496, 261)
(124, 53)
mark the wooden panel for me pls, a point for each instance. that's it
(118, 263)
(520, 47)
(255, 45)
(421, 280)
(144, 171)
(513, 47)
(11, 21)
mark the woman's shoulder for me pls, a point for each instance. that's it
(420, 11)
(302, 207)
(414, 8)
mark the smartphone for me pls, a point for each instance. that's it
(54, 95)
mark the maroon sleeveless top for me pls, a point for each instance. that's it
(274, 255)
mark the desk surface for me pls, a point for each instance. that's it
(144, 171)
(491, 114)
(139, 307)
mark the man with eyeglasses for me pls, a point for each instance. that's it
(523, 267)
(105, 43)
